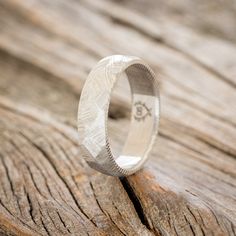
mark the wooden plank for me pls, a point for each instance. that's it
(47, 188)
(188, 186)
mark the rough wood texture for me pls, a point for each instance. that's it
(189, 185)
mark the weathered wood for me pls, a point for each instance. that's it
(189, 185)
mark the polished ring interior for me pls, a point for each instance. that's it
(93, 115)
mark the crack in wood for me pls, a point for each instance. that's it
(61, 177)
(134, 199)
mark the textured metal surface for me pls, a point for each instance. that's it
(93, 115)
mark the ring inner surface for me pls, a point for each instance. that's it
(143, 118)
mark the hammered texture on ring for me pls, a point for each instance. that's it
(93, 115)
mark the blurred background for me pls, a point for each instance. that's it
(47, 49)
(211, 17)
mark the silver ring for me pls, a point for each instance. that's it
(93, 115)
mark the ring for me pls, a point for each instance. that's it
(93, 115)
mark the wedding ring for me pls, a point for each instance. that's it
(93, 115)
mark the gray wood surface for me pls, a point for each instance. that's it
(187, 188)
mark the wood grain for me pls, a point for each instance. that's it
(187, 188)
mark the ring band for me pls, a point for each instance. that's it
(93, 115)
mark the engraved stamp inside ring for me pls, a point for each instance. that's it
(142, 111)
